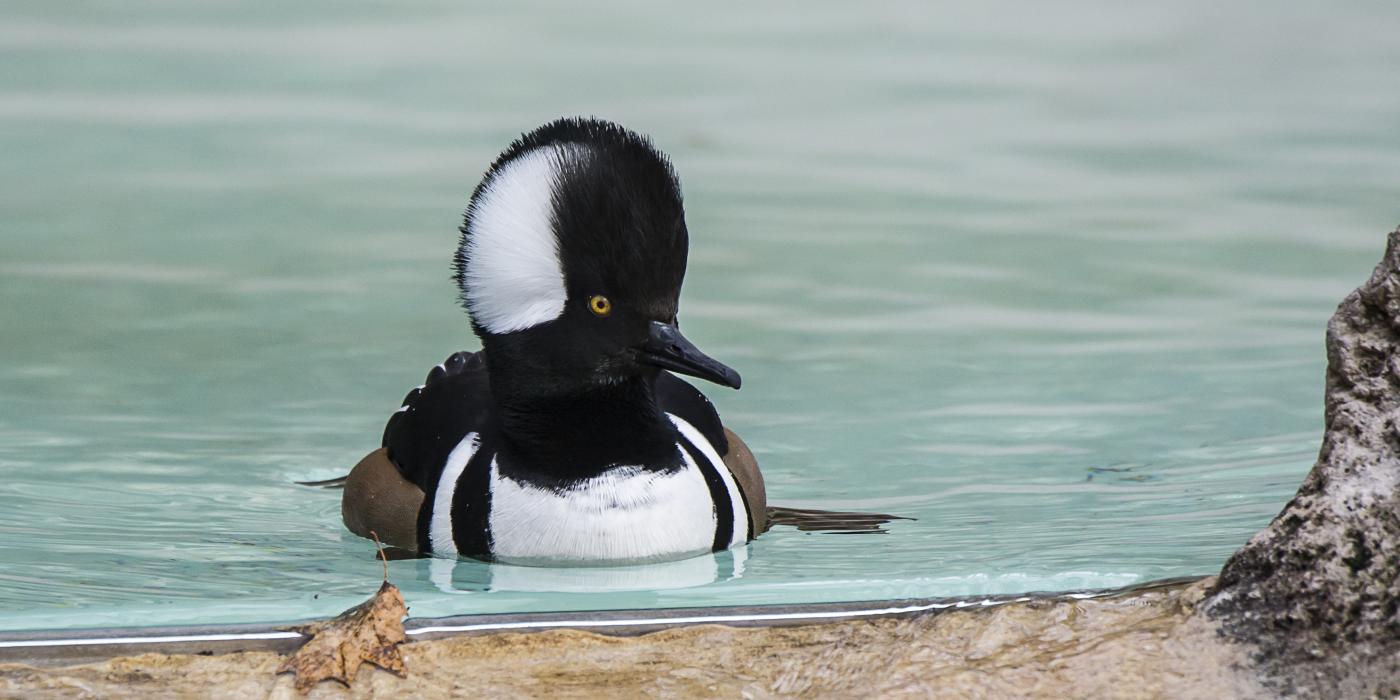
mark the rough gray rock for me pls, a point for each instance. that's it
(1318, 590)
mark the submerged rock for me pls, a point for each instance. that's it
(1318, 590)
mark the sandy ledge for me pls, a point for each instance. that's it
(1146, 644)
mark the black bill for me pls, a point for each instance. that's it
(666, 347)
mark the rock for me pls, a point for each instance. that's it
(1317, 590)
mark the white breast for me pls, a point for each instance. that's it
(625, 514)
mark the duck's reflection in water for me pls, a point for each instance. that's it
(468, 576)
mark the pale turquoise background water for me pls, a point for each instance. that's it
(1054, 282)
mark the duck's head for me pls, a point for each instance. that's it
(571, 260)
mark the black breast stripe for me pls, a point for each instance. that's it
(471, 505)
(748, 512)
(719, 496)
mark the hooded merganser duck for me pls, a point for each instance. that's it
(567, 438)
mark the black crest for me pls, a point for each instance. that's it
(617, 212)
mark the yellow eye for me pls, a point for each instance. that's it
(599, 305)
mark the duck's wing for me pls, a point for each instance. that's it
(744, 467)
(384, 493)
(454, 400)
(379, 503)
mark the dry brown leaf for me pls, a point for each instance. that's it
(371, 631)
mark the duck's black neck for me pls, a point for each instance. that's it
(579, 434)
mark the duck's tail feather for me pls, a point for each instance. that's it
(336, 483)
(811, 520)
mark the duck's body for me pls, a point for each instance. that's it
(482, 498)
(564, 440)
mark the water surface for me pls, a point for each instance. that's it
(1052, 284)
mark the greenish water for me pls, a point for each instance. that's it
(1054, 283)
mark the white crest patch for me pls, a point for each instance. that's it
(627, 514)
(514, 277)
